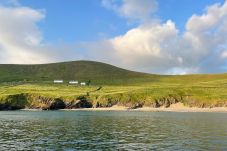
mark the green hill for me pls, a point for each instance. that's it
(118, 86)
(77, 70)
(97, 72)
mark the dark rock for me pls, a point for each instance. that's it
(155, 104)
(57, 104)
(81, 102)
(103, 105)
(136, 106)
(14, 102)
(44, 100)
(7, 107)
(97, 105)
(165, 102)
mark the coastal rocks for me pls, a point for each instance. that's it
(46, 103)
(205, 104)
(40, 102)
(155, 104)
(101, 105)
(43, 100)
(164, 102)
(80, 102)
(9, 107)
(13, 102)
(136, 106)
(57, 104)
(105, 102)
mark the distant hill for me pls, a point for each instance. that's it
(76, 70)
(118, 86)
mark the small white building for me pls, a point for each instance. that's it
(82, 83)
(58, 81)
(73, 82)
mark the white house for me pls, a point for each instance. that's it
(58, 81)
(73, 82)
(82, 83)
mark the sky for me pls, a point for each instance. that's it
(154, 36)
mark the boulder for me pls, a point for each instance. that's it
(136, 106)
(81, 102)
(8, 107)
(57, 104)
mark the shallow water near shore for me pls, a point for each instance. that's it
(112, 130)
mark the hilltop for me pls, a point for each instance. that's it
(97, 72)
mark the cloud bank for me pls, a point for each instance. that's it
(21, 40)
(132, 9)
(153, 46)
(160, 47)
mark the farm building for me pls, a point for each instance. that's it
(58, 81)
(73, 82)
(83, 83)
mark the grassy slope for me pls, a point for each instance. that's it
(99, 73)
(119, 85)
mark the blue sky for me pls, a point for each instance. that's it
(77, 20)
(156, 36)
(87, 20)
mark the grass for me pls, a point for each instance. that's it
(98, 73)
(119, 86)
(197, 93)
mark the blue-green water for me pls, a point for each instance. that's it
(103, 130)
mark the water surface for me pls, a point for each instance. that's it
(105, 130)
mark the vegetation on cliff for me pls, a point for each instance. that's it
(32, 87)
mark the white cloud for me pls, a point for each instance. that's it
(132, 9)
(21, 40)
(213, 17)
(224, 54)
(148, 44)
(159, 47)
(9, 2)
(153, 46)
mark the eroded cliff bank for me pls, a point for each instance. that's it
(29, 101)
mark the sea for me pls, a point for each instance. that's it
(112, 130)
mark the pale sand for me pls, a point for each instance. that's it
(113, 108)
(26, 109)
(178, 107)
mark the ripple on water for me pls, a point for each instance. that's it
(21, 130)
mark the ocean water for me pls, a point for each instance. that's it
(109, 130)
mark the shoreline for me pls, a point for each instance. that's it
(178, 107)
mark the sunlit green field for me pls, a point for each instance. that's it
(192, 90)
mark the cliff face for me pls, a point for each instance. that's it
(13, 102)
(46, 103)
(22, 101)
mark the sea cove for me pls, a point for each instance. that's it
(109, 130)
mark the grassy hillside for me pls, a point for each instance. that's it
(119, 86)
(99, 73)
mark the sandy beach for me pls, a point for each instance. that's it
(178, 107)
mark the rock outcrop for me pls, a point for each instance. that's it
(13, 102)
(80, 102)
(9, 107)
(57, 104)
(164, 102)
